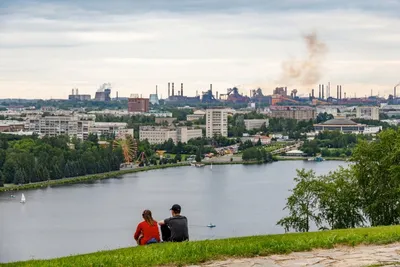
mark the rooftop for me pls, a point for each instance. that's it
(339, 122)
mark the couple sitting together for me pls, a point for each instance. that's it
(174, 229)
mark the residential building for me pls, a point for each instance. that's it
(216, 122)
(366, 112)
(11, 126)
(166, 120)
(293, 112)
(342, 125)
(137, 104)
(159, 134)
(198, 114)
(108, 128)
(255, 124)
(333, 110)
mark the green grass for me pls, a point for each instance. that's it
(179, 254)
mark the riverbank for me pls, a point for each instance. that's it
(179, 254)
(108, 175)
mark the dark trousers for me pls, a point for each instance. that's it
(165, 233)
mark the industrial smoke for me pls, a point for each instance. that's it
(307, 71)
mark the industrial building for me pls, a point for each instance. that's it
(293, 112)
(216, 122)
(138, 104)
(77, 97)
(103, 93)
(159, 134)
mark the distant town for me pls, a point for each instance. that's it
(206, 115)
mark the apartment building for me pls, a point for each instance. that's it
(293, 112)
(158, 134)
(255, 124)
(79, 126)
(216, 122)
(198, 114)
(368, 113)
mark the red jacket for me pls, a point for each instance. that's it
(147, 231)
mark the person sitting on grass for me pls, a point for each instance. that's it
(175, 228)
(147, 231)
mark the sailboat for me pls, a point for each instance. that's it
(211, 166)
(23, 200)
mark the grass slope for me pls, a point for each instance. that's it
(180, 254)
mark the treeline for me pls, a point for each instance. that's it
(366, 193)
(26, 160)
(257, 153)
(332, 143)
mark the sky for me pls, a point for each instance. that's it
(48, 47)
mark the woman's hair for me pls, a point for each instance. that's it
(147, 217)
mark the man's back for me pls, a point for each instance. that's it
(179, 228)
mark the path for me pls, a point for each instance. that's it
(360, 256)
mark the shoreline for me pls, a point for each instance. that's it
(113, 174)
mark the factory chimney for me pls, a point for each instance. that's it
(337, 93)
(173, 93)
(344, 94)
(323, 92)
(117, 95)
(319, 94)
(286, 90)
(216, 94)
(340, 92)
(197, 93)
(169, 92)
(312, 93)
(328, 90)
(394, 92)
(210, 86)
(181, 89)
(73, 91)
(156, 90)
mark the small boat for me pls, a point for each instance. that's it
(317, 159)
(210, 225)
(198, 165)
(12, 196)
(211, 166)
(23, 200)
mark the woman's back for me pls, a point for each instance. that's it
(147, 230)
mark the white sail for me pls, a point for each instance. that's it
(23, 198)
(211, 166)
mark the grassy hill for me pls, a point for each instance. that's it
(180, 254)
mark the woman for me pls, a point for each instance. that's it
(147, 231)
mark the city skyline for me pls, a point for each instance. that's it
(49, 47)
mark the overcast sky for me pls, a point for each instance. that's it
(49, 47)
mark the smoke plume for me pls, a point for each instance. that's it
(307, 71)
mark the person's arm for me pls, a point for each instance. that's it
(163, 222)
(138, 231)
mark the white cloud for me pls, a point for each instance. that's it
(44, 52)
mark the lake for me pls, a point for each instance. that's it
(241, 200)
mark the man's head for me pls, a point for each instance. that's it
(176, 209)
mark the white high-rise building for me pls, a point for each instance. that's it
(368, 113)
(216, 122)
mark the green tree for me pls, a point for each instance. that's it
(19, 177)
(302, 204)
(198, 155)
(377, 171)
(178, 157)
(1, 179)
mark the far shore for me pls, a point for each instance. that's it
(113, 174)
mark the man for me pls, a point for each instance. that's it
(175, 229)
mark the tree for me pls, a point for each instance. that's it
(198, 155)
(19, 177)
(302, 204)
(377, 171)
(178, 157)
(1, 179)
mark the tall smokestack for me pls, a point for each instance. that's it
(73, 91)
(337, 93)
(344, 94)
(157, 90)
(181, 89)
(210, 86)
(173, 93)
(117, 95)
(197, 93)
(77, 91)
(285, 90)
(323, 92)
(216, 94)
(319, 94)
(328, 93)
(394, 92)
(312, 93)
(169, 89)
(340, 92)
